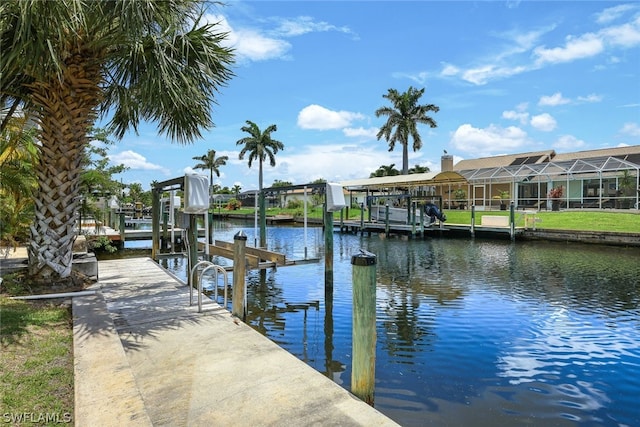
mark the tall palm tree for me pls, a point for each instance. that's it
(402, 120)
(69, 61)
(260, 146)
(236, 190)
(211, 162)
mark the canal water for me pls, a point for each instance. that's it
(469, 332)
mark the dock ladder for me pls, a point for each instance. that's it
(216, 269)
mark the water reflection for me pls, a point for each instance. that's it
(471, 332)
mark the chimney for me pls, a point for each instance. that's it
(446, 163)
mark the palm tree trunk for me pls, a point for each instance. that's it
(66, 114)
(405, 159)
(263, 212)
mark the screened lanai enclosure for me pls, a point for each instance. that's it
(605, 182)
(597, 179)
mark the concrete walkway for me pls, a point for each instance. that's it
(143, 356)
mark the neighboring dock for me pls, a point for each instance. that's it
(143, 356)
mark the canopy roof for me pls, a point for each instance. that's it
(413, 180)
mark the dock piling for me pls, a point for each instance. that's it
(238, 303)
(364, 326)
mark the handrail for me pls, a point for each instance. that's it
(193, 269)
(218, 269)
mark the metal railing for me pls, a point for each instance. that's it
(217, 269)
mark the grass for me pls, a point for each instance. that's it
(36, 368)
(627, 222)
(564, 220)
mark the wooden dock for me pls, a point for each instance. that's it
(436, 229)
(144, 356)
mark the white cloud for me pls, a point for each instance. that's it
(613, 13)
(521, 116)
(590, 98)
(333, 162)
(584, 46)
(484, 74)
(543, 122)
(553, 100)
(368, 133)
(449, 70)
(568, 143)
(626, 35)
(320, 118)
(488, 141)
(250, 44)
(300, 25)
(631, 129)
(133, 160)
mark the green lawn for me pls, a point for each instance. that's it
(564, 220)
(36, 368)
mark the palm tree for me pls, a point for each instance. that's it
(211, 162)
(18, 157)
(260, 146)
(385, 170)
(69, 61)
(419, 169)
(402, 119)
(236, 190)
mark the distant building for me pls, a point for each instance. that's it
(589, 179)
(606, 178)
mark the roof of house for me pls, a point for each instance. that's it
(630, 153)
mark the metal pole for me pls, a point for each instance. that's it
(238, 305)
(364, 326)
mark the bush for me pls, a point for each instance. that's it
(295, 204)
(233, 204)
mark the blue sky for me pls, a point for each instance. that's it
(508, 76)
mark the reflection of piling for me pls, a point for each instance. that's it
(364, 326)
(238, 307)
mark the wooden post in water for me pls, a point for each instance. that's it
(192, 239)
(386, 220)
(122, 227)
(512, 221)
(363, 365)
(473, 220)
(361, 219)
(238, 306)
(413, 220)
(328, 248)
(155, 223)
(165, 230)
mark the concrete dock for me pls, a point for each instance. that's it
(143, 356)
